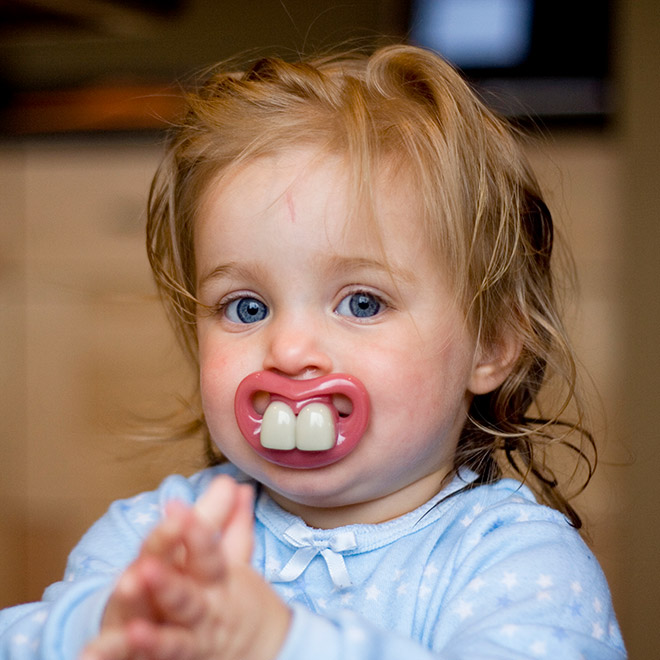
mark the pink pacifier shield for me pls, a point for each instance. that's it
(297, 394)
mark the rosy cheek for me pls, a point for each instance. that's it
(214, 358)
(214, 385)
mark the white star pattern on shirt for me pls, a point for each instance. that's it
(598, 631)
(144, 518)
(523, 517)
(510, 580)
(576, 588)
(398, 574)
(509, 629)
(598, 606)
(463, 609)
(20, 639)
(477, 584)
(373, 592)
(544, 581)
(402, 589)
(430, 571)
(466, 521)
(543, 596)
(424, 591)
(40, 616)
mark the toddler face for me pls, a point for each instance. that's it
(296, 289)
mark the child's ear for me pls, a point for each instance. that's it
(493, 363)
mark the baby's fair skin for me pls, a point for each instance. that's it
(283, 231)
(275, 233)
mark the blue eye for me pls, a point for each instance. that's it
(360, 305)
(246, 310)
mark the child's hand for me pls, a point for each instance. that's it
(192, 594)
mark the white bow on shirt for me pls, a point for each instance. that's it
(303, 538)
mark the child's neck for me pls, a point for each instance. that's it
(370, 512)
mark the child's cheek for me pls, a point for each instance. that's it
(393, 377)
(217, 388)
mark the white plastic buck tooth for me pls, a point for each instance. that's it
(315, 428)
(278, 427)
(312, 430)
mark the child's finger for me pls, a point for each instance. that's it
(129, 600)
(177, 598)
(217, 503)
(110, 645)
(165, 540)
(154, 642)
(237, 540)
(204, 559)
(187, 540)
(142, 640)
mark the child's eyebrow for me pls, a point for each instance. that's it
(338, 264)
(232, 269)
(335, 265)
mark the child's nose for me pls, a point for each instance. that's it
(295, 349)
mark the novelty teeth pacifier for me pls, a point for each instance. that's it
(302, 423)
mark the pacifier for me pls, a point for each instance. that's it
(301, 423)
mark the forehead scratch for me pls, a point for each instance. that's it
(290, 205)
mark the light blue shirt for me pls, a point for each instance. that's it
(486, 573)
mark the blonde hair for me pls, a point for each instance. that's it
(481, 208)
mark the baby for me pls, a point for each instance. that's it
(356, 256)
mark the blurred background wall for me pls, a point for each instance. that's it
(86, 353)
